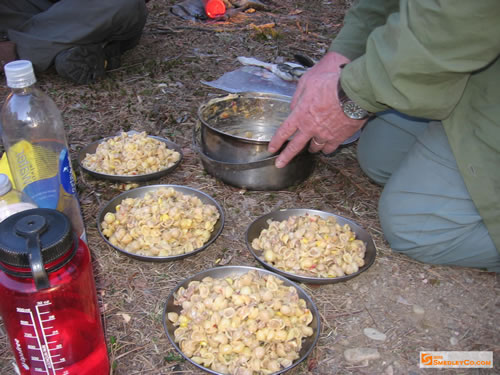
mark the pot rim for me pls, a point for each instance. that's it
(249, 94)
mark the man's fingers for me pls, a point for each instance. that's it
(292, 149)
(285, 131)
(316, 145)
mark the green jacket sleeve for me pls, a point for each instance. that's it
(419, 62)
(359, 22)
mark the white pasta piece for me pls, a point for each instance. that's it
(130, 155)
(138, 227)
(240, 335)
(310, 245)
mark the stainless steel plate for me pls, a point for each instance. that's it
(222, 272)
(260, 223)
(91, 149)
(139, 193)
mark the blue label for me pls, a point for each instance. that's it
(66, 173)
(44, 192)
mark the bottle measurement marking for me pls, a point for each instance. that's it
(31, 323)
(46, 348)
(49, 363)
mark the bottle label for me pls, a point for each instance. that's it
(68, 199)
(34, 171)
(66, 173)
(43, 171)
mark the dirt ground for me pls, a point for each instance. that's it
(417, 307)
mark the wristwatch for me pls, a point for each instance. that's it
(350, 108)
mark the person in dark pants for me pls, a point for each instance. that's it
(82, 39)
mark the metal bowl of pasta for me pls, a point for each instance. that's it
(237, 128)
(241, 320)
(130, 157)
(257, 175)
(161, 223)
(310, 246)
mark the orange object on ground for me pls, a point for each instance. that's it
(214, 8)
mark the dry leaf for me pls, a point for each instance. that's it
(126, 317)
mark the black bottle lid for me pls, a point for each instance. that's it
(34, 238)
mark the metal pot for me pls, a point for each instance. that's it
(256, 175)
(237, 128)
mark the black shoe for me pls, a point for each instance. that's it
(81, 64)
(113, 53)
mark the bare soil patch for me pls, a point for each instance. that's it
(158, 90)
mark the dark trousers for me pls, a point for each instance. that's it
(41, 29)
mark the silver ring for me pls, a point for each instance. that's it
(317, 143)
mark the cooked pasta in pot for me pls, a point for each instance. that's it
(311, 246)
(245, 324)
(164, 222)
(131, 155)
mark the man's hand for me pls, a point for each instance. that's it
(316, 113)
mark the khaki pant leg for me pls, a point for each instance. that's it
(425, 209)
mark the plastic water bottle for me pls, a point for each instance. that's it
(35, 142)
(12, 200)
(49, 302)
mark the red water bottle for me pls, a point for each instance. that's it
(48, 297)
(214, 8)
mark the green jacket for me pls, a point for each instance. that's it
(436, 59)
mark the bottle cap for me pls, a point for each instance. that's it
(5, 184)
(51, 227)
(215, 8)
(19, 74)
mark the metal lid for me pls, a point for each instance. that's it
(19, 74)
(5, 184)
(34, 238)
